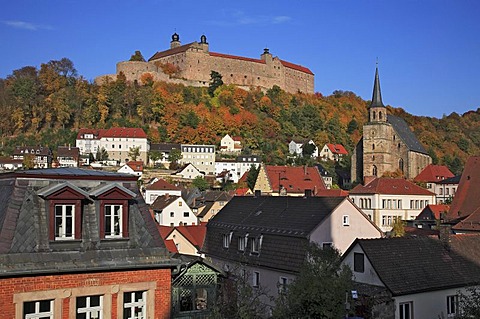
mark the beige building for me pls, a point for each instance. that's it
(201, 156)
(388, 145)
(193, 63)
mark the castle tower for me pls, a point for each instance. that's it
(266, 56)
(204, 43)
(175, 41)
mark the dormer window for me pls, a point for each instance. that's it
(64, 222)
(113, 221)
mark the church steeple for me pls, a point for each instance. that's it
(377, 94)
(377, 112)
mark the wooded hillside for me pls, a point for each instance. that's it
(47, 106)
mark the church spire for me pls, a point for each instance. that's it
(377, 94)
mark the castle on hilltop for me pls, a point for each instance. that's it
(193, 62)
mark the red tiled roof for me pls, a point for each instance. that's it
(164, 230)
(194, 233)
(228, 56)
(173, 51)
(124, 132)
(295, 179)
(467, 196)
(237, 138)
(337, 149)
(432, 212)
(393, 186)
(170, 245)
(137, 166)
(416, 232)
(470, 223)
(161, 185)
(332, 193)
(95, 132)
(296, 67)
(434, 173)
(241, 191)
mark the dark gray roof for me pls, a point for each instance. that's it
(451, 180)
(66, 173)
(164, 147)
(405, 134)
(283, 223)
(25, 247)
(412, 265)
(377, 94)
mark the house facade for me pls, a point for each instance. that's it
(388, 145)
(117, 141)
(42, 156)
(230, 144)
(385, 200)
(295, 147)
(265, 237)
(189, 171)
(160, 188)
(333, 152)
(434, 176)
(133, 168)
(68, 156)
(188, 239)
(80, 243)
(288, 180)
(201, 156)
(236, 168)
(407, 278)
(172, 210)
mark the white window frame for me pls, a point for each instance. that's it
(110, 212)
(452, 306)
(256, 279)
(60, 234)
(89, 310)
(406, 310)
(346, 220)
(241, 243)
(227, 238)
(282, 284)
(135, 304)
(37, 313)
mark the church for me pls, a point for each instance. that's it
(387, 146)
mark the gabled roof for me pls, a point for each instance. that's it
(53, 188)
(337, 149)
(136, 166)
(294, 179)
(108, 187)
(413, 265)
(172, 51)
(466, 202)
(35, 150)
(163, 201)
(433, 212)
(406, 135)
(195, 234)
(162, 185)
(123, 132)
(286, 215)
(390, 186)
(451, 180)
(434, 174)
(68, 151)
(296, 67)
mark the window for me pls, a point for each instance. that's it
(172, 214)
(241, 243)
(42, 309)
(134, 305)
(256, 279)
(327, 245)
(282, 284)
(452, 306)
(179, 203)
(113, 221)
(406, 310)
(345, 220)
(256, 243)
(358, 262)
(64, 222)
(186, 214)
(226, 240)
(89, 307)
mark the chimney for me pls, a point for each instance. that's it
(445, 231)
(258, 193)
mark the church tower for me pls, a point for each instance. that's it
(377, 137)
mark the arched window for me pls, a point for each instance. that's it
(400, 164)
(373, 147)
(374, 170)
(380, 115)
(374, 115)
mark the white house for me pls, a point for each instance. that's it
(333, 152)
(407, 278)
(160, 188)
(189, 171)
(236, 168)
(68, 156)
(295, 147)
(202, 156)
(231, 144)
(117, 141)
(386, 199)
(440, 180)
(132, 168)
(171, 210)
(259, 232)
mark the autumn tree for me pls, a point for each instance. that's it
(200, 183)
(174, 156)
(28, 161)
(398, 229)
(137, 56)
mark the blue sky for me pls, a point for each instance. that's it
(428, 51)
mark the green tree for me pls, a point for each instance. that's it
(319, 290)
(252, 176)
(215, 82)
(308, 149)
(200, 183)
(174, 156)
(137, 56)
(469, 304)
(155, 156)
(134, 152)
(352, 126)
(101, 155)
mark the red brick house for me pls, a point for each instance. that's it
(80, 244)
